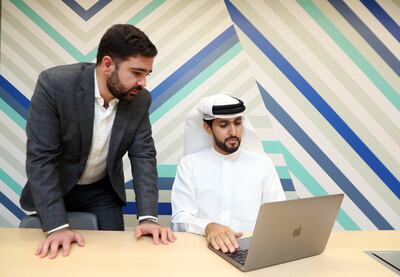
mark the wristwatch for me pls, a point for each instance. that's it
(149, 220)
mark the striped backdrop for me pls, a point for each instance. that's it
(320, 80)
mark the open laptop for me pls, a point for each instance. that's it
(286, 231)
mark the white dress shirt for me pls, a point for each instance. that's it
(96, 166)
(226, 189)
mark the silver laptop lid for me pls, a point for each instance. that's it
(292, 229)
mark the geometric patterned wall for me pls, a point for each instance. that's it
(320, 80)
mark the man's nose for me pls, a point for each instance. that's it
(141, 82)
(232, 130)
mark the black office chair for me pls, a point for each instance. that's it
(77, 220)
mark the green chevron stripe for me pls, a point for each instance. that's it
(14, 186)
(307, 180)
(56, 36)
(12, 114)
(352, 52)
(196, 82)
(166, 170)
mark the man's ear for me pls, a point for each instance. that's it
(207, 128)
(107, 65)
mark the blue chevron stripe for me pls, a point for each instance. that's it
(193, 67)
(15, 93)
(13, 98)
(316, 100)
(367, 34)
(383, 17)
(324, 162)
(11, 206)
(166, 184)
(163, 208)
(86, 14)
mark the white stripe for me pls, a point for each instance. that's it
(17, 131)
(18, 154)
(353, 106)
(9, 216)
(19, 177)
(39, 33)
(375, 26)
(330, 150)
(391, 9)
(181, 57)
(346, 63)
(9, 193)
(163, 196)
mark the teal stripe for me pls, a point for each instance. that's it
(166, 170)
(19, 120)
(283, 172)
(64, 43)
(10, 182)
(4, 222)
(196, 82)
(307, 180)
(145, 11)
(352, 52)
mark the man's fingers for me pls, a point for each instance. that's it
(66, 245)
(54, 249)
(138, 232)
(221, 244)
(214, 243)
(228, 243)
(164, 238)
(79, 240)
(156, 236)
(45, 248)
(238, 234)
(39, 248)
(233, 239)
(171, 236)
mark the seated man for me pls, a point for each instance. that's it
(224, 175)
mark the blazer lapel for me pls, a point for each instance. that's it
(85, 103)
(118, 130)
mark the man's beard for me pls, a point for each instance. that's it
(225, 147)
(118, 90)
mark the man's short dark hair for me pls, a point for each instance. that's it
(209, 122)
(122, 41)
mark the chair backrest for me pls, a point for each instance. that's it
(77, 220)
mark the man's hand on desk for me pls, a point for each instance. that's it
(60, 238)
(156, 231)
(222, 237)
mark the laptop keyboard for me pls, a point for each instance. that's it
(239, 255)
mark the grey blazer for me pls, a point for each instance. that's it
(60, 130)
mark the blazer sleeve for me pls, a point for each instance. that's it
(142, 155)
(43, 153)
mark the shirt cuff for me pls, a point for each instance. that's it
(147, 216)
(58, 228)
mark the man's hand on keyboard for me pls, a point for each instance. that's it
(222, 238)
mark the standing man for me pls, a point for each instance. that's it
(83, 118)
(224, 176)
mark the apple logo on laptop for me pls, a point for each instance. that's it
(297, 232)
